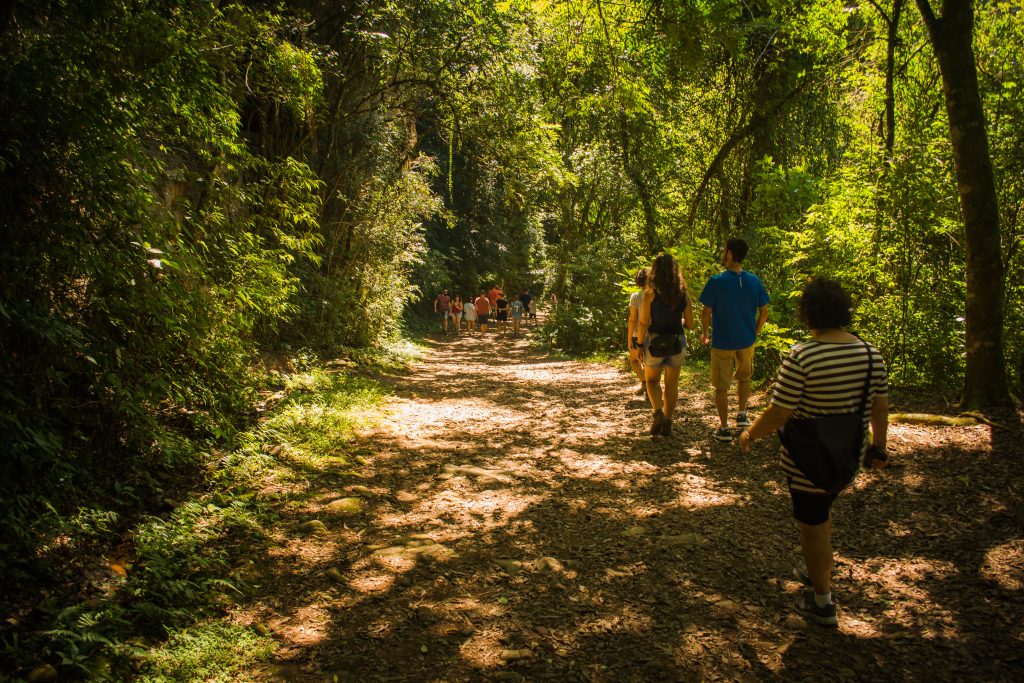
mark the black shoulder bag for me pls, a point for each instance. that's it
(828, 448)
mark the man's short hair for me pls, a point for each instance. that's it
(737, 246)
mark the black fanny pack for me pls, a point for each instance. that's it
(664, 345)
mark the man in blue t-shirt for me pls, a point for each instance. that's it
(735, 310)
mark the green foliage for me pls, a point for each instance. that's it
(185, 564)
(319, 421)
(214, 652)
(187, 186)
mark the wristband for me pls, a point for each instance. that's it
(635, 344)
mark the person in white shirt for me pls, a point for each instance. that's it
(469, 310)
(635, 355)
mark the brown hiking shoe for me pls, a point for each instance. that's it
(656, 424)
(666, 427)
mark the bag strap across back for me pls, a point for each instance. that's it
(867, 381)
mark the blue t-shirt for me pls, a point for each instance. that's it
(734, 299)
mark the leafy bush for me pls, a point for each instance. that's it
(214, 652)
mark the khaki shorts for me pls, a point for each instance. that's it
(726, 365)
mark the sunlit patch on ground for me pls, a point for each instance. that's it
(1004, 565)
(519, 523)
(372, 582)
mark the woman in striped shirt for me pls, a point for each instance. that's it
(823, 376)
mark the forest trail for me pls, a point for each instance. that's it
(519, 524)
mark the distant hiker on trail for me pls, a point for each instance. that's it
(735, 310)
(493, 295)
(635, 359)
(842, 379)
(501, 313)
(527, 299)
(442, 306)
(469, 310)
(457, 313)
(483, 309)
(664, 313)
(516, 311)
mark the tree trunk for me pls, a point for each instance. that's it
(643, 189)
(951, 34)
(883, 196)
(891, 41)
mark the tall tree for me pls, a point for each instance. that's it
(951, 36)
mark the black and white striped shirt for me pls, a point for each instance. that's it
(824, 378)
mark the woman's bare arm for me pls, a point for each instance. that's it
(631, 326)
(645, 315)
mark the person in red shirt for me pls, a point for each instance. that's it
(483, 309)
(493, 296)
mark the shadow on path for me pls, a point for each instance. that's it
(520, 525)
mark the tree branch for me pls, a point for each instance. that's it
(927, 14)
(881, 11)
(738, 136)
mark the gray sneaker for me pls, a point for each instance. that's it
(742, 420)
(805, 605)
(722, 434)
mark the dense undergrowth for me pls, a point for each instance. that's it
(144, 593)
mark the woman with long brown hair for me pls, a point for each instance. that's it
(665, 314)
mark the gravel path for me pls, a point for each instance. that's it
(519, 524)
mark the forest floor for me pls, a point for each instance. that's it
(514, 521)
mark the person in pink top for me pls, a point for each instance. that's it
(456, 315)
(483, 309)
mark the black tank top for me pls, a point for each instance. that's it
(665, 320)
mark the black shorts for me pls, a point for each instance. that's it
(502, 316)
(481, 318)
(811, 509)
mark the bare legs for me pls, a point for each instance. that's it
(671, 391)
(636, 365)
(722, 402)
(666, 402)
(653, 376)
(816, 543)
(722, 405)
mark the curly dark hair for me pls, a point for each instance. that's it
(640, 279)
(824, 304)
(664, 278)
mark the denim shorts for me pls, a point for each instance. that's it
(675, 361)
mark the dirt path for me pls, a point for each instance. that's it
(520, 525)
